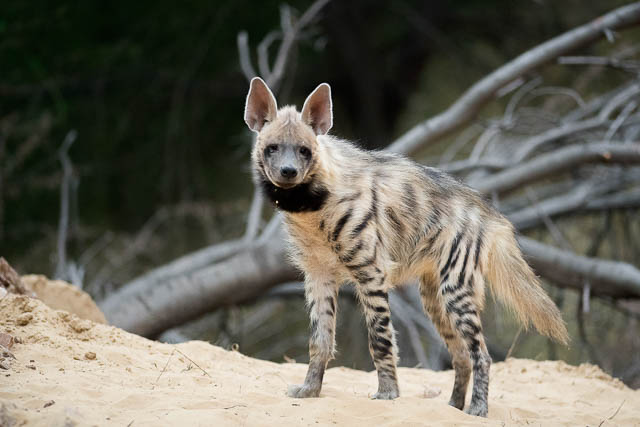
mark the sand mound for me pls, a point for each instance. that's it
(72, 371)
(60, 295)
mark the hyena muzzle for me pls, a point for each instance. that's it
(378, 220)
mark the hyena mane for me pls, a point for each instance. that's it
(378, 220)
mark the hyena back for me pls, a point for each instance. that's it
(378, 220)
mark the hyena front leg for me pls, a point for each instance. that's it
(382, 342)
(322, 301)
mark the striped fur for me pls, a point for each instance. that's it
(378, 220)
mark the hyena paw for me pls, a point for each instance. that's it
(386, 395)
(457, 403)
(302, 391)
(479, 410)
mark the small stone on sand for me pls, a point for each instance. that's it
(24, 319)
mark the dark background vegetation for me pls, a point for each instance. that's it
(155, 93)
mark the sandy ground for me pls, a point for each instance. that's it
(73, 371)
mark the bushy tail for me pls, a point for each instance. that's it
(514, 283)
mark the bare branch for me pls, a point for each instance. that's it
(557, 235)
(397, 306)
(65, 189)
(462, 140)
(588, 196)
(263, 52)
(245, 57)
(567, 269)
(518, 96)
(621, 200)
(483, 163)
(552, 90)
(466, 107)
(626, 65)
(619, 121)
(535, 142)
(560, 160)
(255, 215)
(619, 100)
(288, 38)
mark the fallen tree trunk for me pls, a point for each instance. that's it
(150, 308)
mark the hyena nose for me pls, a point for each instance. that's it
(288, 172)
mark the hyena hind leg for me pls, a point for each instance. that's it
(459, 298)
(460, 357)
(322, 311)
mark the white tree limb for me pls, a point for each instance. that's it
(607, 278)
(561, 160)
(466, 107)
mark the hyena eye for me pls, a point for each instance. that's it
(272, 148)
(305, 152)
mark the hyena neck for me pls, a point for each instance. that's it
(307, 197)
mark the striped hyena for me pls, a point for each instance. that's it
(378, 220)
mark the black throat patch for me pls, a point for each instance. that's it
(301, 198)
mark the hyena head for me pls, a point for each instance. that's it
(286, 146)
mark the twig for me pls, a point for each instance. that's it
(235, 406)
(552, 90)
(517, 97)
(462, 140)
(557, 235)
(485, 138)
(163, 369)
(513, 343)
(192, 361)
(614, 414)
(619, 100)
(622, 117)
(617, 410)
(582, 332)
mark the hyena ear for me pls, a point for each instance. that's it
(317, 110)
(261, 105)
